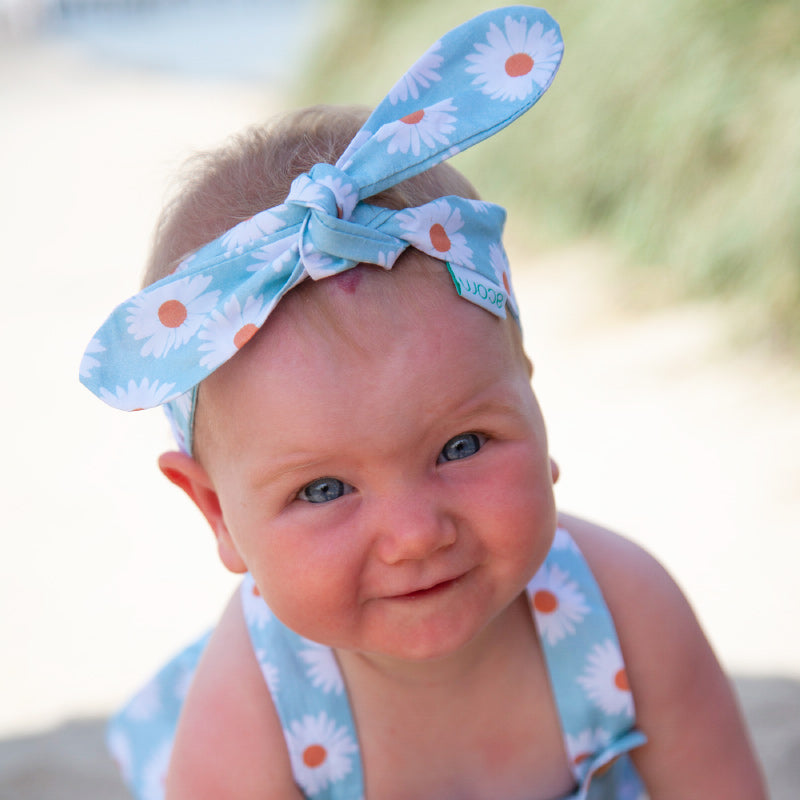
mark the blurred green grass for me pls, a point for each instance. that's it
(672, 132)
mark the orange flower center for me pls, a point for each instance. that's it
(545, 602)
(172, 314)
(314, 755)
(439, 238)
(621, 681)
(414, 117)
(244, 335)
(519, 64)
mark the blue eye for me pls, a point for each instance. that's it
(323, 490)
(462, 446)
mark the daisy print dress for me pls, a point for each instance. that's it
(583, 658)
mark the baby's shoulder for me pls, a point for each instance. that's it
(643, 599)
(229, 742)
(623, 569)
(697, 744)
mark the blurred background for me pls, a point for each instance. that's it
(654, 198)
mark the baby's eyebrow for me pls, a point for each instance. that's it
(283, 469)
(493, 401)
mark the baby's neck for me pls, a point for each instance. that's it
(472, 709)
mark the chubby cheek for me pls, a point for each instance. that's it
(311, 589)
(521, 507)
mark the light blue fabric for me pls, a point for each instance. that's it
(581, 651)
(158, 345)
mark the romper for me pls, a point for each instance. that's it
(581, 650)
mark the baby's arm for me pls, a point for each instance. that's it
(229, 741)
(697, 742)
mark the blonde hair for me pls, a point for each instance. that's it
(254, 170)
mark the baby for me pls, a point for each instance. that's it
(415, 620)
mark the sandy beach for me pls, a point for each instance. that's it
(665, 428)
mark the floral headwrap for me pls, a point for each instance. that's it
(156, 347)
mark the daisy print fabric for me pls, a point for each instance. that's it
(308, 690)
(140, 736)
(514, 58)
(587, 673)
(478, 78)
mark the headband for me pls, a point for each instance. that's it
(155, 348)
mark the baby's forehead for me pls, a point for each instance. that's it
(361, 319)
(365, 310)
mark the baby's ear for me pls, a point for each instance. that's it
(190, 476)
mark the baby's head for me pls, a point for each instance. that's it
(367, 440)
(255, 171)
(375, 447)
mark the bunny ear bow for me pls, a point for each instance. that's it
(157, 346)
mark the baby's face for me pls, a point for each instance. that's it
(392, 497)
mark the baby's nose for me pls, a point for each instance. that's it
(412, 527)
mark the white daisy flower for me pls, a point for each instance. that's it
(183, 403)
(146, 703)
(605, 682)
(582, 748)
(346, 195)
(424, 126)
(557, 603)
(229, 330)
(154, 774)
(387, 258)
(138, 395)
(434, 228)
(262, 224)
(120, 748)
(322, 668)
(179, 412)
(185, 264)
(178, 423)
(563, 541)
(256, 612)
(482, 206)
(88, 363)
(274, 255)
(317, 264)
(319, 751)
(183, 682)
(423, 73)
(512, 62)
(270, 672)
(170, 315)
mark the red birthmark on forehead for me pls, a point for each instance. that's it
(348, 281)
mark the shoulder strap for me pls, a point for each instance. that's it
(583, 658)
(310, 697)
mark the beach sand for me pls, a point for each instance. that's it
(664, 427)
(69, 761)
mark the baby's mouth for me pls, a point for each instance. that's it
(430, 591)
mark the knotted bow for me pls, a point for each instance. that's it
(157, 346)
